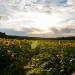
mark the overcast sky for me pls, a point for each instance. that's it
(41, 18)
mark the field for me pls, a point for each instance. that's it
(37, 57)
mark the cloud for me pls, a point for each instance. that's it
(32, 32)
(69, 30)
(22, 31)
(46, 2)
(35, 32)
(2, 18)
(35, 17)
(7, 6)
(71, 2)
(12, 32)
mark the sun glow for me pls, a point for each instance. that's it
(42, 32)
(45, 21)
(37, 19)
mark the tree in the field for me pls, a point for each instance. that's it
(2, 34)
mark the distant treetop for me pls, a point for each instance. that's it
(2, 34)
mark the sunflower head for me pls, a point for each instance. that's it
(6, 42)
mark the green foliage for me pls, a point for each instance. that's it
(37, 57)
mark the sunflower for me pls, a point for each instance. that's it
(13, 42)
(6, 42)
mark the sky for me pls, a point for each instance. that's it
(38, 18)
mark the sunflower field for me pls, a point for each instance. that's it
(37, 57)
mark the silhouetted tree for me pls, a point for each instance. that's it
(2, 35)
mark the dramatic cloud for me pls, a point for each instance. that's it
(69, 30)
(44, 18)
